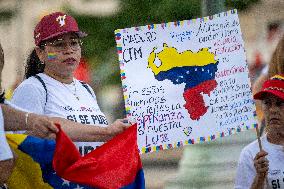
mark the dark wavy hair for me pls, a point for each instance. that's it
(33, 65)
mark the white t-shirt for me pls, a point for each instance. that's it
(246, 170)
(7, 102)
(61, 102)
(5, 151)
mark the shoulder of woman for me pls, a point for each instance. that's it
(87, 87)
(31, 82)
(30, 95)
(30, 86)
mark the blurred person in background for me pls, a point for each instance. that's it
(275, 66)
(256, 166)
(262, 56)
(51, 89)
(11, 120)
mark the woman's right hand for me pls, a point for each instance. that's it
(41, 126)
(261, 164)
(118, 126)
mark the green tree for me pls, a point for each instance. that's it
(99, 46)
(240, 4)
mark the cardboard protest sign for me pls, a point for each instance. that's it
(187, 81)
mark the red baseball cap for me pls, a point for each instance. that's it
(274, 85)
(55, 24)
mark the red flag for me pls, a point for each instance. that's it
(116, 164)
(83, 72)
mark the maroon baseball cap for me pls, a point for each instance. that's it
(55, 24)
(274, 85)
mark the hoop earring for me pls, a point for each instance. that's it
(41, 66)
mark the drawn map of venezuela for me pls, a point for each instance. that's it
(196, 70)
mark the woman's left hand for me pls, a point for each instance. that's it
(118, 126)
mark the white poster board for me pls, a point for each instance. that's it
(186, 82)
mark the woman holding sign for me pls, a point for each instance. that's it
(51, 89)
(261, 163)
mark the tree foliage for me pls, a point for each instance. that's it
(99, 46)
(132, 13)
(240, 4)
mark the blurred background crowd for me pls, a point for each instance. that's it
(262, 25)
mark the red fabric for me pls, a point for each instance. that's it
(82, 72)
(113, 165)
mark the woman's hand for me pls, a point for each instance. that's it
(118, 126)
(6, 168)
(261, 165)
(41, 126)
(37, 125)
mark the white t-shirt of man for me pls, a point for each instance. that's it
(246, 170)
(61, 102)
(5, 151)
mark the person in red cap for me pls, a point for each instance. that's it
(51, 89)
(261, 169)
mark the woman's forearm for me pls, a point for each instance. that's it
(84, 133)
(6, 168)
(13, 119)
(39, 126)
(15, 122)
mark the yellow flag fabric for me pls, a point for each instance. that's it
(27, 172)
